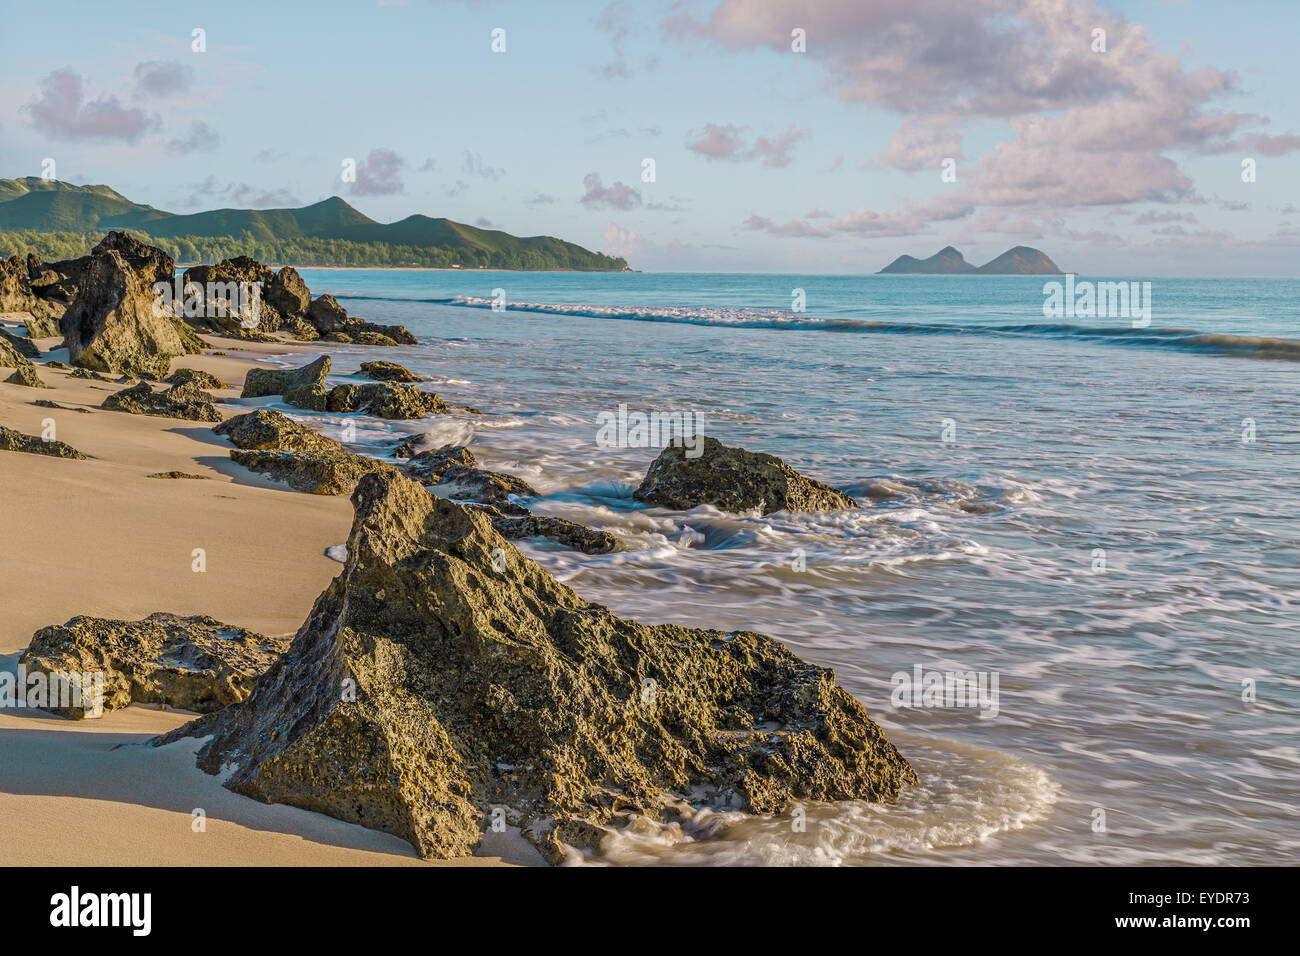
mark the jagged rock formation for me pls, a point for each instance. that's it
(428, 467)
(287, 293)
(10, 357)
(444, 674)
(11, 440)
(735, 480)
(318, 472)
(22, 346)
(301, 387)
(384, 400)
(269, 430)
(113, 323)
(389, 372)
(192, 663)
(26, 375)
(186, 401)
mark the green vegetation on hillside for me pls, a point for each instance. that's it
(58, 219)
(306, 251)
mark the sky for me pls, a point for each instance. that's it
(805, 136)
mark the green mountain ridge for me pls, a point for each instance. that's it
(1018, 260)
(47, 206)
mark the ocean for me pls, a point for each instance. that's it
(1094, 519)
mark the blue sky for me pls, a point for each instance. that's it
(766, 159)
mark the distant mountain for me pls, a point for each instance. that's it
(947, 261)
(52, 206)
(1021, 260)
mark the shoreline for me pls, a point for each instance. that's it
(101, 538)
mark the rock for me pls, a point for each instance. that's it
(67, 278)
(177, 474)
(26, 375)
(486, 487)
(87, 373)
(46, 403)
(428, 467)
(43, 321)
(189, 338)
(517, 522)
(268, 381)
(199, 377)
(22, 346)
(427, 688)
(10, 357)
(301, 329)
(59, 365)
(315, 472)
(366, 337)
(269, 430)
(287, 293)
(309, 397)
(735, 480)
(191, 663)
(327, 315)
(239, 269)
(339, 337)
(151, 263)
(389, 372)
(11, 440)
(114, 325)
(186, 401)
(385, 400)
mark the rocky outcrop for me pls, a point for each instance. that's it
(516, 522)
(389, 372)
(486, 487)
(22, 346)
(322, 472)
(239, 269)
(309, 379)
(191, 663)
(327, 315)
(43, 321)
(186, 401)
(384, 400)
(428, 467)
(113, 323)
(287, 293)
(269, 430)
(197, 376)
(11, 440)
(177, 474)
(10, 357)
(443, 675)
(26, 375)
(735, 480)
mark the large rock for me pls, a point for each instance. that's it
(186, 401)
(486, 487)
(267, 381)
(317, 472)
(238, 269)
(735, 480)
(10, 356)
(389, 372)
(15, 289)
(287, 293)
(269, 430)
(443, 674)
(385, 400)
(192, 663)
(150, 262)
(21, 345)
(327, 315)
(26, 375)
(516, 522)
(44, 320)
(114, 325)
(428, 467)
(11, 440)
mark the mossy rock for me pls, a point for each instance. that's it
(11, 440)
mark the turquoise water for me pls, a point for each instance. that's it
(1005, 457)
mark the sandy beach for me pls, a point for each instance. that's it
(99, 537)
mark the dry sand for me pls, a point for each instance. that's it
(100, 538)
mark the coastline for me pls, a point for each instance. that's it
(101, 538)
